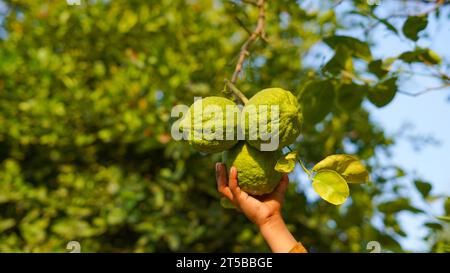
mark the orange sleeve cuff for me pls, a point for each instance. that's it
(298, 248)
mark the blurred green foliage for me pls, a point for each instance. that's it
(85, 148)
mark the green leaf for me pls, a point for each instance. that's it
(350, 95)
(388, 25)
(433, 198)
(423, 187)
(6, 224)
(129, 19)
(383, 93)
(317, 100)
(444, 218)
(397, 229)
(331, 187)
(397, 206)
(381, 20)
(413, 25)
(378, 68)
(447, 205)
(357, 47)
(341, 61)
(410, 56)
(421, 55)
(432, 57)
(286, 164)
(434, 226)
(292, 155)
(348, 166)
(225, 203)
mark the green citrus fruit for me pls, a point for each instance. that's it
(211, 124)
(272, 107)
(256, 173)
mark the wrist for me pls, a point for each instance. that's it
(276, 234)
(275, 220)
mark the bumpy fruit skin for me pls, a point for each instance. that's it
(289, 120)
(204, 142)
(256, 173)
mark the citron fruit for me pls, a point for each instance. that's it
(272, 114)
(256, 173)
(211, 124)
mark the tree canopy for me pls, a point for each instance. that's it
(86, 94)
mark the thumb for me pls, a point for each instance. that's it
(278, 194)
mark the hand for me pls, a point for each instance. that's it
(259, 210)
(264, 211)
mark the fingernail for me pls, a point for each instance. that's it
(218, 166)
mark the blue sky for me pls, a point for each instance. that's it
(425, 115)
(428, 114)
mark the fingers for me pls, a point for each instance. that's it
(279, 192)
(240, 197)
(233, 183)
(221, 178)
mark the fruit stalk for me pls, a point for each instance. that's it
(308, 172)
(258, 32)
(236, 92)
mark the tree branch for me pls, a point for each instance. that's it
(423, 91)
(437, 4)
(241, 24)
(258, 32)
(249, 2)
(236, 92)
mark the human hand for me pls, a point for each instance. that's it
(264, 211)
(260, 210)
